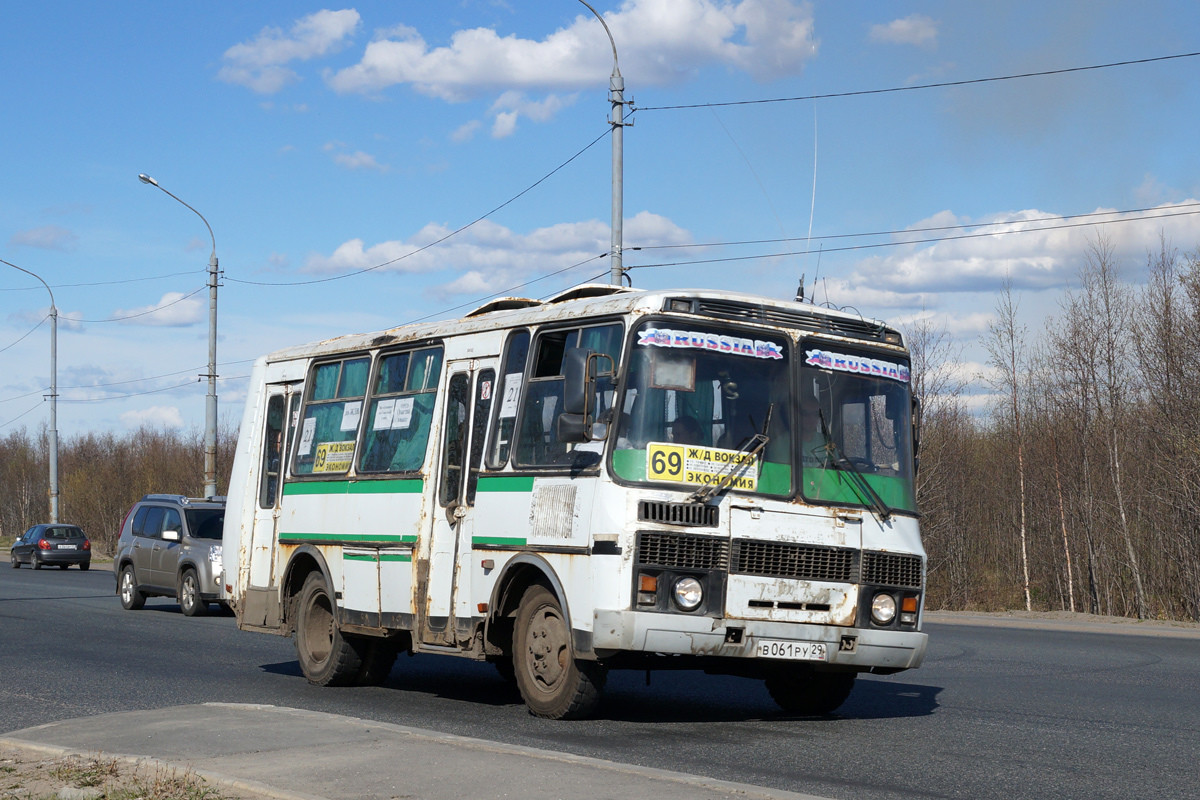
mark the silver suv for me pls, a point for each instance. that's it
(170, 546)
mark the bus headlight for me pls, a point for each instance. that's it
(688, 594)
(883, 608)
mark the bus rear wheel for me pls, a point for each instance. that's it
(807, 693)
(326, 657)
(553, 683)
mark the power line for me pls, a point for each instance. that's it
(941, 85)
(101, 283)
(901, 232)
(154, 310)
(929, 240)
(503, 292)
(18, 416)
(453, 233)
(26, 335)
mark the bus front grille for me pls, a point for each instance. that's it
(892, 569)
(682, 551)
(799, 561)
(697, 514)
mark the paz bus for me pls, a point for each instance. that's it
(610, 478)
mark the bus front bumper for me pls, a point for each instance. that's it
(675, 634)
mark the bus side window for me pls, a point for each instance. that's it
(537, 443)
(331, 416)
(515, 354)
(272, 452)
(401, 411)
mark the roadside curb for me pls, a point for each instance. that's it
(295, 754)
(218, 779)
(1064, 621)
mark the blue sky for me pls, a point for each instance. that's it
(322, 141)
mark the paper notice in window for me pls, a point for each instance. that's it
(306, 436)
(404, 413)
(384, 412)
(512, 393)
(350, 415)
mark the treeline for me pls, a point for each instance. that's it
(1080, 490)
(100, 477)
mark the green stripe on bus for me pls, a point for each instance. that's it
(370, 559)
(349, 538)
(506, 483)
(503, 541)
(398, 486)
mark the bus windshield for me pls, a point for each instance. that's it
(693, 400)
(856, 430)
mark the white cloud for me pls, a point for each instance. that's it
(259, 64)
(174, 310)
(915, 29)
(47, 237)
(153, 417)
(358, 160)
(489, 257)
(512, 105)
(466, 132)
(661, 41)
(1033, 248)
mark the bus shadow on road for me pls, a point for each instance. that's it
(665, 696)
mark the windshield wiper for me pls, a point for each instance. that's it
(865, 490)
(753, 446)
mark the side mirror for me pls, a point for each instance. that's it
(916, 426)
(582, 374)
(171, 536)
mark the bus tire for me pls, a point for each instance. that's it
(553, 683)
(377, 657)
(809, 694)
(326, 657)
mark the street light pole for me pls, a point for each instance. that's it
(616, 93)
(210, 403)
(53, 457)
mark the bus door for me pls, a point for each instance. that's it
(283, 400)
(447, 590)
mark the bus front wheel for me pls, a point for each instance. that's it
(807, 693)
(553, 683)
(326, 658)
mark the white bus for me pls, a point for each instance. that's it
(610, 478)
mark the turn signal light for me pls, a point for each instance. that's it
(909, 604)
(648, 583)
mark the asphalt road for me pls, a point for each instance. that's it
(996, 711)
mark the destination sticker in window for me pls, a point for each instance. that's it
(701, 466)
(333, 457)
(841, 362)
(714, 342)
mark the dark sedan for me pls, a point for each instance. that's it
(52, 545)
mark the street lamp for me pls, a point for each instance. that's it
(616, 93)
(53, 395)
(210, 405)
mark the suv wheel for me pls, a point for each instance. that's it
(131, 597)
(189, 595)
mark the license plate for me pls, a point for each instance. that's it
(790, 651)
(68, 547)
